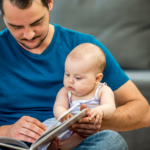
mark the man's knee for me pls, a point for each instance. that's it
(111, 140)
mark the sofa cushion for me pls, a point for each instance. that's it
(122, 26)
(2, 24)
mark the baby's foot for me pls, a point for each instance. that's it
(55, 144)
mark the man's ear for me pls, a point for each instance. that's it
(50, 5)
(99, 77)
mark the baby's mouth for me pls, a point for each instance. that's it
(71, 88)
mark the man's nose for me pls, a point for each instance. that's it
(28, 34)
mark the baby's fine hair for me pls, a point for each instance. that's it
(92, 53)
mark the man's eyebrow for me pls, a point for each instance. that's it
(30, 24)
(14, 25)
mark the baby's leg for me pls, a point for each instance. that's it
(73, 141)
(54, 145)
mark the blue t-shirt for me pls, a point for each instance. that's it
(29, 82)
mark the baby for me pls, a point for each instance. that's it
(84, 68)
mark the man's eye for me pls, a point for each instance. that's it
(36, 24)
(17, 28)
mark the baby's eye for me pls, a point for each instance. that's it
(67, 75)
(78, 78)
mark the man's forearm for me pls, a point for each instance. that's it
(130, 116)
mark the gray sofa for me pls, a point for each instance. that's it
(124, 28)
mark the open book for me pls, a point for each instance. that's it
(53, 131)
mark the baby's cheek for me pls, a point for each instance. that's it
(82, 89)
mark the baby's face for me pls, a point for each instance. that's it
(79, 78)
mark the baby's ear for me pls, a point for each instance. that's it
(99, 77)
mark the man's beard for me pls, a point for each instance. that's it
(40, 42)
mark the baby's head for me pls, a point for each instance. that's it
(83, 68)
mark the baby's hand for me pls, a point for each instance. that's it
(98, 115)
(67, 116)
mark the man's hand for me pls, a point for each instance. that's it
(25, 129)
(67, 116)
(85, 127)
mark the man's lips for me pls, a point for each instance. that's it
(30, 41)
(33, 39)
(71, 88)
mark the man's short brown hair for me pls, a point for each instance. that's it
(22, 4)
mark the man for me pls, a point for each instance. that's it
(32, 66)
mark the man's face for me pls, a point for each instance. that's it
(28, 26)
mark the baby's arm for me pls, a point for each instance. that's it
(61, 104)
(107, 105)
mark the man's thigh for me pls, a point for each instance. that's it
(104, 140)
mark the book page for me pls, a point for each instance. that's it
(12, 141)
(59, 129)
(56, 123)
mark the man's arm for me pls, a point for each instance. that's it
(132, 110)
(25, 129)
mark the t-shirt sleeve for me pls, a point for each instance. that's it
(113, 75)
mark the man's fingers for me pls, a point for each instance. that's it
(84, 132)
(33, 128)
(29, 133)
(85, 126)
(26, 129)
(84, 135)
(26, 138)
(35, 121)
